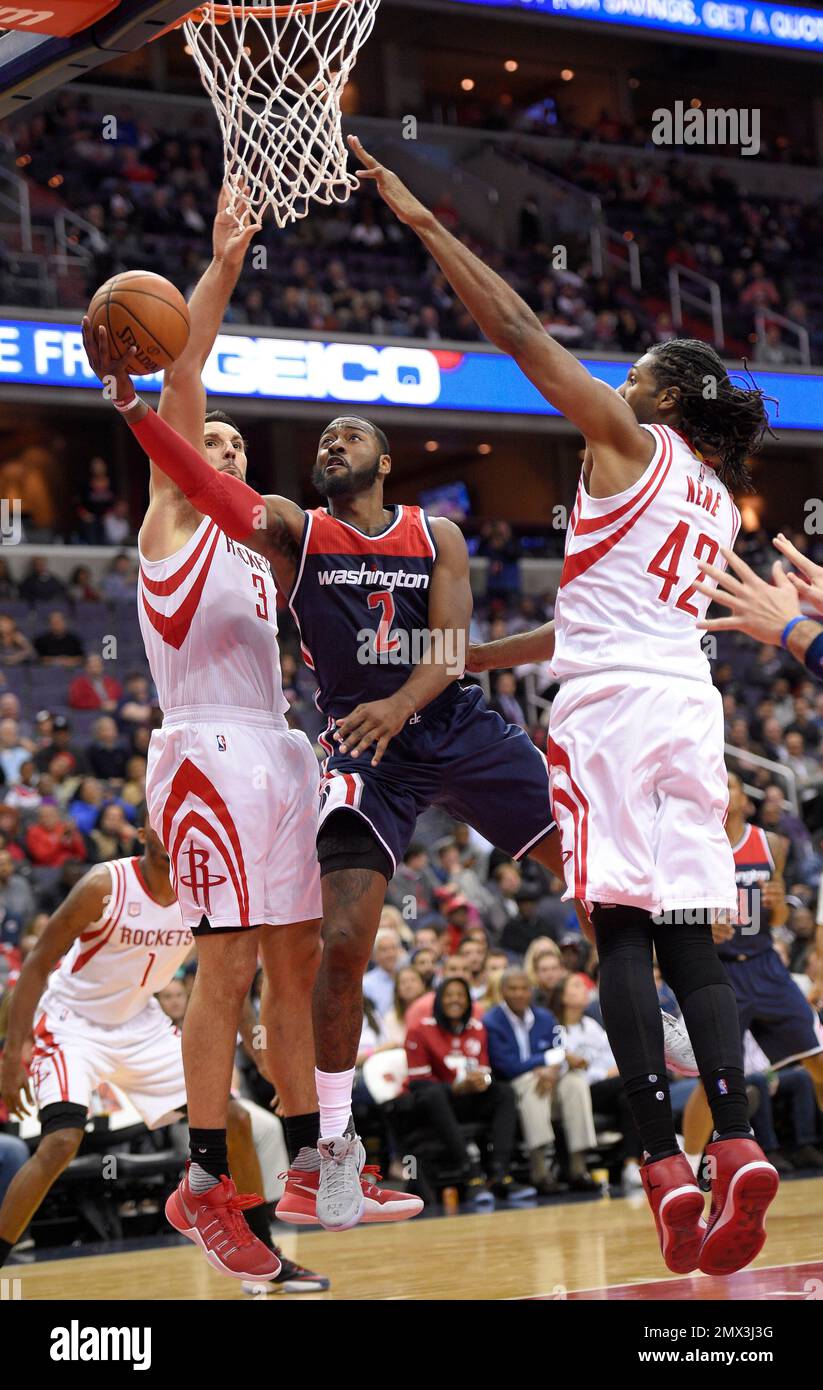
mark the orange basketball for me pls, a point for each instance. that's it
(141, 309)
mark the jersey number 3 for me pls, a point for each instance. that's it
(666, 565)
(261, 608)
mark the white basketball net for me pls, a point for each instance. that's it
(275, 75)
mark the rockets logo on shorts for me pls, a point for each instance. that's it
(221, 743)
(199, 879)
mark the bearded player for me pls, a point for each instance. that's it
(636, 734)
(83, 1011)
(370, 587)
(231, 790)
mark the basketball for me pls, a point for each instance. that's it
(143, 310)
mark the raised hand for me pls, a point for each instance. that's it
(232, 231)
(759, 609)
(809, 581)
(105, 365)
(392, 190)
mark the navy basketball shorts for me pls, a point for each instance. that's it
(769, 1003)
(455, 753)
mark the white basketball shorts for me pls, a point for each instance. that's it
(640, 793)
(144, 1057)
(234, 798)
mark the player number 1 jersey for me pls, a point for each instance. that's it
(627, 597)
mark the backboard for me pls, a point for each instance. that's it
(32, 64)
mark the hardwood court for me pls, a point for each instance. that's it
(591, 1249)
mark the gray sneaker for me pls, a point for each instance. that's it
(340, 1199)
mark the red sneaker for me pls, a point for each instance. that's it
(298, 1205)
(214, 1220)
(677, 1207)
(743, 1185)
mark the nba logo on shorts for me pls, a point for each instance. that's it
(723, 1087)
(221, 743)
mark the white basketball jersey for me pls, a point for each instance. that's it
(208, 615)
(626, 598)
(117, 964)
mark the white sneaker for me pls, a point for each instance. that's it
(631, 1177)
(340, 1199)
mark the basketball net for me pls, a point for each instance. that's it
(275, 75)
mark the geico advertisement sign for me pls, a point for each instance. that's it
(323, 371)
(245, 366)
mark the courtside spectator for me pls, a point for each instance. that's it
(408, 986)
(474, 952)
(94, 689)
(86, 804)
(453, 968)
(106, 755)
(59, 646)
(587, 1049)
(51, 840)
(387, 955)
(113, 837)
(424, 961)
(525, 1048)
(8, 588)
(40, 585)
(14, 646)
(17, 902)
(136, 705)
(25, 793)
(450, 1081)
(520, 931)
(60, 744)
(14, 751)
(413, 885)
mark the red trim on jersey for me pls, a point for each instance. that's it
(47, 1050)
(189, 781)
(596, 523)
(580, 817)
(575, 565)
(135, 863)
(163, 587)
(110, 923)
(753, 849)
(405, 536)
(174, 627)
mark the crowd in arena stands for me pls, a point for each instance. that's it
(150, 194)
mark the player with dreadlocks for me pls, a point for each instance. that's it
(638, 781)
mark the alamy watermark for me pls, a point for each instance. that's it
(691, 125)
(416, 646)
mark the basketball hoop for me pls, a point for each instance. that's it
(275, 75)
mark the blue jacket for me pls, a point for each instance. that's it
(504, 1054)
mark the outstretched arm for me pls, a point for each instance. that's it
(621, 449)
(767, 612)
(519, 649)
(271, 525)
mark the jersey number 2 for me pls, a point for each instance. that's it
(384, 641)
(666, 564)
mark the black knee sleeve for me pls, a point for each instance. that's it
(63, 1114)
(346, 841)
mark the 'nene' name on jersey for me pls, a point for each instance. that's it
(362, 605)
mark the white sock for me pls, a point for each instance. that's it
(334, 1090)
(694, 1162)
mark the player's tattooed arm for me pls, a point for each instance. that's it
(86, 903)
(444, 660)
(520, 649)
(774, 892)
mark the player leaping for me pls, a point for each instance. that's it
(370, 586)
(231, 790)
(636, 732)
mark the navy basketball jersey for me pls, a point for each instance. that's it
(753, 866)
(361, 604)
